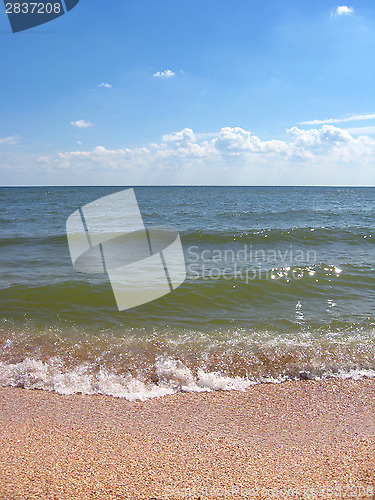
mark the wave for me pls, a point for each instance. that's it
(33, 240)
(303, 235)
(173, 376)
(249, 295)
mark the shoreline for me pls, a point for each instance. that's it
(288, 440)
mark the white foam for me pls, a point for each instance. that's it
(173, 376)
(52, 376)
(176, 374)
(354, 373)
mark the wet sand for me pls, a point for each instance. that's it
(306, 439)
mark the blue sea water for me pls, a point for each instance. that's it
(280, 285)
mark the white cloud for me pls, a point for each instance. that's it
(164, 74)
(328, 134)
(185, 136)
(344, 10)
(352, 118)
(81, 124)
(8, 140)
(105, 85)
(230, 156)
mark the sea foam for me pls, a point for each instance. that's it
(172, 377)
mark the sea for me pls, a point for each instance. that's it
(280, 285)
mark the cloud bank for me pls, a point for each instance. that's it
(325, 155)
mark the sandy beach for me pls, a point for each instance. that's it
(306, 439)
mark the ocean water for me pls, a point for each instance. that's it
(280, 285)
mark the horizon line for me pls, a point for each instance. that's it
(185, 185)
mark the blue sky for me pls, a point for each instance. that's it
(196, 92)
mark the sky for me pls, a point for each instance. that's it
(212, 92)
